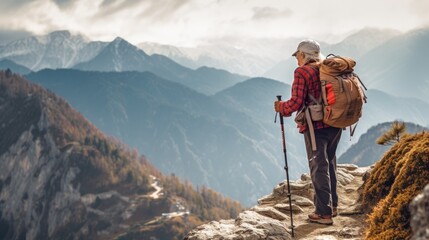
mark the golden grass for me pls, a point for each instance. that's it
(396, 179)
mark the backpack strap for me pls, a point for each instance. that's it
(324, 98)
(314, 99)
(311, 129)
(352, 130)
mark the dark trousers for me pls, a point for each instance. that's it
(323, 168)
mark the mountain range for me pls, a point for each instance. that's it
(8, 64)
(356, 46)
(265, 57)
(59, 49)
(399, 65)
(197, 123)
(365, 152)
(255, 97)
(180, 130)
(222, 56)
(196, 136)
(62, 178)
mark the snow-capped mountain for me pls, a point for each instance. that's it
(58, 49)
(399, 66)
(120, 55)
(361, 42)
(355, 46)
(230, 58)
(184, 56)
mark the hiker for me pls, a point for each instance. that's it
(306, 88)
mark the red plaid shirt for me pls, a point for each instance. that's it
(306, 80)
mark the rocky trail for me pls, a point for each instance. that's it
(270, 219)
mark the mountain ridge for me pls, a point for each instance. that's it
(177, 127)
(121, 55)
(14, 67)
(365, 152)
(398, 66)
(57, 49)
(61, 177)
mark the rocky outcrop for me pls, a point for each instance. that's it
(41, 192)
(420, 215)
(270, 219)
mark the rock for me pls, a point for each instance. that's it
(270, 212)
(282, 189)
(248, 226)
(302, 201)
(349, 167)
(280, 192)
(285, 208)
(353, 210)
(297, 200)
(343, 177)
(268, 200)
(350, 232)
(360, 172)
(274, 209)
(212, 230)
(267, 228)
(419, 208)
(306, 177)
(321, 237)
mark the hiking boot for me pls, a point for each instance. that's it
(316, 218)
(334, 212)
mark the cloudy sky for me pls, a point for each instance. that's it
(194, 22)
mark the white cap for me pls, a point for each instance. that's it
(308, 46)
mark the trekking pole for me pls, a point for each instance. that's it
(279, 97)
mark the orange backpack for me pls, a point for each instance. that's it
(342, 92)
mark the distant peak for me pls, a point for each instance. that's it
(61, 33)
(119, 39)
(122, 43)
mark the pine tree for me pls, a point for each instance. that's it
(393, 135)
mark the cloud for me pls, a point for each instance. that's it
(190, 22)
(63, 4)
(7, 36)
(108, 7)
(420, 9)
(12, 4)
(270, 13)
(163, 8)
(147, 9)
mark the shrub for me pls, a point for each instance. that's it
(396, 179)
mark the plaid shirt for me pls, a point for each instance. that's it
(306, 80)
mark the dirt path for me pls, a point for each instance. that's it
(158, 189)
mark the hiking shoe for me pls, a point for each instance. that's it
(334, 212)
(316, 218)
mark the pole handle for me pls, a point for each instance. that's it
(279, 98)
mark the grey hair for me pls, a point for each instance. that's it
(312, 57)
